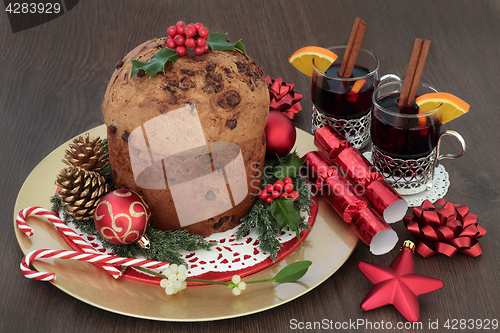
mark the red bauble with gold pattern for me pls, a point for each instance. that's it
(280, 134)
(122, 217)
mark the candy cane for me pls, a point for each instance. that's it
(63, 228)
(88, 257)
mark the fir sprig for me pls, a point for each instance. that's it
(164, 244)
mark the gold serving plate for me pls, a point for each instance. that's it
(328, 246)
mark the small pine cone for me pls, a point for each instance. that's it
(80, 191)
(87, 153)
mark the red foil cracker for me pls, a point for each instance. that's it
(318, 167)
(357, 168)
(341, 195)
(386, 201)
(374, 231)
(445, 228)
(283, 98)
(330, 142)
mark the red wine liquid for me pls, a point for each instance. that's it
(403, 138)
(334, 98)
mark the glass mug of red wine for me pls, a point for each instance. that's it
(346, 102)
(406, 143)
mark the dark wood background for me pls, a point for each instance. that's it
(53, 79)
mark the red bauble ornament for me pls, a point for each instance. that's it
(280, 134)
(397, 284)
(122, 217)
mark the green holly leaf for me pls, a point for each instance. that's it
(292, 272)
(156, 64)
(218, 42)
(289, 166)
(286, 214)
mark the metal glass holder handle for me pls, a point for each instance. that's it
(387, 77)
(450, 156)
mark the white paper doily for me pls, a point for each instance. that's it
(440, 185)
(228, 255)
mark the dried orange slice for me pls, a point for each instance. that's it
(302, 59)
(450, 106)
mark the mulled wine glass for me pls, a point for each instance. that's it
(345, 103)
(406, 143)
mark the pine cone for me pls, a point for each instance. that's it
(80, 191)
(87, 153)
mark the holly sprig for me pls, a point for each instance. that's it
(269, 219)
(216, 42)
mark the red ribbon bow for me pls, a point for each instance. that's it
(283, 98)
(445, 228)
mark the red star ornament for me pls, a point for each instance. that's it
(398, 284)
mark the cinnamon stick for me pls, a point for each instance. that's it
(352, 50)
(414, 72)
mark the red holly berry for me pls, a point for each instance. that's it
(180, 23)
(171, 43)
(294, 195)
(269, 200)
(203, 32)
(278, 185)
(205, 48)
(180, 50)
(179, 39)
(263, 194)
(275, 194)
(181, 29)
(283, 194)
(198, 25)
(190, 42)
(287, 180)
(172, 31)
(201, 41)
(190, 31)
(269, 188)
(199, 50)
(288, 188)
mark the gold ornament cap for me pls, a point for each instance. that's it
(409, 244)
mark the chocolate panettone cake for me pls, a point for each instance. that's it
(190, 139)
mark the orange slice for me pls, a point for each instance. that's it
(302, 59)
(448, 105)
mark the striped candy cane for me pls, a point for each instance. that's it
(88, 257)
(63, 228)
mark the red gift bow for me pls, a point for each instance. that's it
(283, 98)
(445, 228)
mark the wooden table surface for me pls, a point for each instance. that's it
(53, 79)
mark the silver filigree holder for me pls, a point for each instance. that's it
(409, 176)
(357, 131)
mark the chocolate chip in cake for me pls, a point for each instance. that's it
(210, 195)
(187, 72)
(186, 83)
(229, 99)
(119, 64)
(211, 87)
(198, 58)
(112, 128)
(231, 124)
(173, 99)
(210, 66)
(263, 139)
(141, 73)
(216, 77)
(125, 136)
(206, 159)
